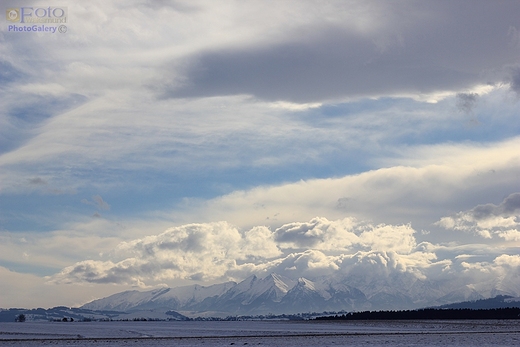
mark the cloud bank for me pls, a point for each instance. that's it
(347, 247)
(435, 47)
(219, 251)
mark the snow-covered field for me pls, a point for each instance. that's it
(263, 333)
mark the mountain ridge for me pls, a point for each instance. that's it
(277, 294)
(62, 313)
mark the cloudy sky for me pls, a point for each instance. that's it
(181, 142)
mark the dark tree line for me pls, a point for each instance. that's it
(432, 313)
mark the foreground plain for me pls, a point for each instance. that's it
(263, 333)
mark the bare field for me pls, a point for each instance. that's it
(263, 333)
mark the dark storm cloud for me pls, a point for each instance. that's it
(421, 48)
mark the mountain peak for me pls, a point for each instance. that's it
(283, 284)
(247, 283)
(303, 282)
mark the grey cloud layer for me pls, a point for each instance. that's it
(417, 48)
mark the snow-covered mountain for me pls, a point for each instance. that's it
(163, 298)
(278, 294)
(255, 295)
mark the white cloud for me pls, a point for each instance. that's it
(219, 251)
(509, 261)
(510, 235)
(390, 238)
(488, 220)
(435, 180)
(345, 235)
(318, 233)
(293, 106)
(195, 251)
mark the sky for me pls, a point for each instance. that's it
(158, 143)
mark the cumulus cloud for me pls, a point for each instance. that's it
(318, 233)
(194, 251)
(489, 220)
(345, 235)
(344, 248)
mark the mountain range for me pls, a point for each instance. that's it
(277, 294)
(281, 296)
